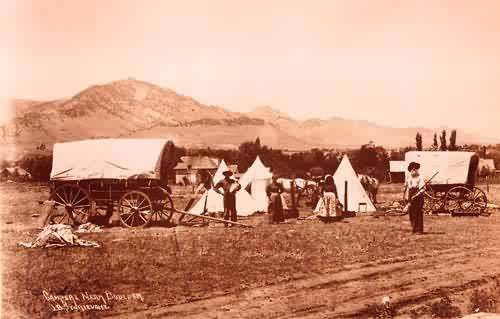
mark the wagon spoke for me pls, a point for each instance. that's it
(61, 199)
(59, 203)
(143, 200)
(65, 195)
(81, 200)
(81, 206)
(62, 204)
(148, 207)
(140, 215)
(76, 196)
(130, 215)
(129, 203)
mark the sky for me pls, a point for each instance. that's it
(399, 63)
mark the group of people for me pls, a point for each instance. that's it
(228, 187)
(329, 207)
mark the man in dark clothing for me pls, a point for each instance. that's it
(415, 186)
(229, 187)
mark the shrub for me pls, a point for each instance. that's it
(382, 310)
(444, 308)
(483, 300)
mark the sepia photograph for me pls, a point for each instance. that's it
(249, 159)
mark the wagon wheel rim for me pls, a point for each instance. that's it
(135, 209)
(435, 201)
(164, 210)
(75, 201)
(476, 202)
(429, 201)
(455, 199)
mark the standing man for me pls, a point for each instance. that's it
(229, 187)
(414, 195)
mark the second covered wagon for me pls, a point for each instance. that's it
(453, 189)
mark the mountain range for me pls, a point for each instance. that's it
(132, 108)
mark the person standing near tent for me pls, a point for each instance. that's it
(415, 197)
(274, 191)
(230, 187)
(329, 198)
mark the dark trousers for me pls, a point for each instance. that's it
(230, 212)
(230, 208)
(416, 212)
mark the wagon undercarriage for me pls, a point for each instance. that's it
(137, 202)
(455, 199)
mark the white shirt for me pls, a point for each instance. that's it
(417, 182)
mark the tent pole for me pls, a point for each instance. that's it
(345, 197)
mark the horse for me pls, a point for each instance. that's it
(303, 187)
(370, 184)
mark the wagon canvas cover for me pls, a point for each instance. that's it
(107, 159)
(453, 167)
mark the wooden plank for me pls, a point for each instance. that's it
(214, 219)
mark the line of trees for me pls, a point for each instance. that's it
(368, 159)
(444, 146)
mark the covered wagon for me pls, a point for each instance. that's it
(98, 176)
(452, 189)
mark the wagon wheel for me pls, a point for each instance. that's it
(456, 198)
(71, 202)
(433, 202)
(135, 209)
(475, 202)
(163, 210)
(429, 200)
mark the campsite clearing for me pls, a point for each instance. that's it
(298, 269)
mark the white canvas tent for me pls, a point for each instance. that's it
(453, 167)
(356, 194)
(212, 201)
(258, 176)
(107, 158)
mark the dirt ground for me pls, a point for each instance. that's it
(300, 269)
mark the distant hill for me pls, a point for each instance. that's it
(132, 108)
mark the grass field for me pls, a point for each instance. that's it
(207, 272)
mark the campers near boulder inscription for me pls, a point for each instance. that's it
(86, 301)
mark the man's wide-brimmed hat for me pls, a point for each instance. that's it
(413, 165)
(227, 173)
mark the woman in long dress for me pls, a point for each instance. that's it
(328, 207)
(274, 191)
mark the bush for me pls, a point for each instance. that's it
(444, 308)
(483, 300)
(381, 310)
